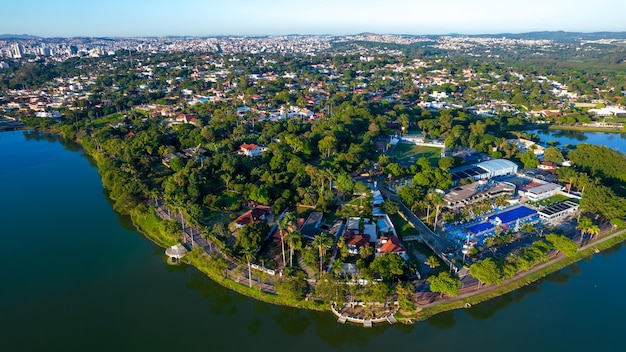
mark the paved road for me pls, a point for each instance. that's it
(440, 243)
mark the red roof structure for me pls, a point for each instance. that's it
(389, 244)
(257, 214)
(249, 147)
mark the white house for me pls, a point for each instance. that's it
(251, 150)
(543, 191)
(608, 111)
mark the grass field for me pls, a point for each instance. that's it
(409, 153)
(555, 199)
(106, 120)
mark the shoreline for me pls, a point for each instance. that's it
(533, 275)
(422, 313)
(586, 129)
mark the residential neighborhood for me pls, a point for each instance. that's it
(319, 169)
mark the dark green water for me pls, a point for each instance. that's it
(75, 276)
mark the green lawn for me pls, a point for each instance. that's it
(303, 212)
(403, 228)
(216, 217)
(614, 120)
(409, 153)
(555, 199)
(233, 200)
(106, 120)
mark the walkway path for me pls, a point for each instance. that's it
(190, 232)
(309, 272)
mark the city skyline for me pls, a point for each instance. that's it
(68, 18)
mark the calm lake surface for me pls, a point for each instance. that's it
(76, 276)
(616, 141)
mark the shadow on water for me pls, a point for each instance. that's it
(34, 135)
(293, 321)
(488, 309)
(124, 220)
(559, 277)
(575, 269)
(220, 299)
(577, 135)
(442, 321)
(254, 325)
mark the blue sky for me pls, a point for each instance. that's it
(49, 18)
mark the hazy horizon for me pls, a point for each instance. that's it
(194, 18)
(303, 34)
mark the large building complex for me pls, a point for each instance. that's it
(461, 196)
(484, 170)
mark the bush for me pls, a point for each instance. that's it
(292, 287)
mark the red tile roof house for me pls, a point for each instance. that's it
(258, 214)
(354, 242)
(391, 244)
(187, 118)
(251, 150)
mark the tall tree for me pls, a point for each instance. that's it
(567, 174)
(486, 271)
(553, 154)
(294, 240)
(445, 284)
(323, 242)
(562, 244)
(585, 226)
(284, 223)
(388, 266)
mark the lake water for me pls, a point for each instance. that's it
(616, 141)
(76, 276)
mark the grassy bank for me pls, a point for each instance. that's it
(153, 227)
(156, 229)
(200, 260)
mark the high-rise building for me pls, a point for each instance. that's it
(18, 50)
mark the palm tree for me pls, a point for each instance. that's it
(436, 200)
(585, 225)
(322, 242)
(569, 175)
(294, 239)
(226, 178)
(594, 231)
(432, 262)
(178, 205)
(361, 189)
(154, 194)
(206, 234)
(285, 222)
(249, 254)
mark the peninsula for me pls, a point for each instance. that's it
(384, 178)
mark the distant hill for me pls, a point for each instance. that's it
(18, 36)
(559, 36)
